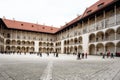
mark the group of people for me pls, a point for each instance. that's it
(107, 55)
(38, 53)
(82, 55)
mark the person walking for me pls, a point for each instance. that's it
(82, 55)
(112, 56)
(86, 55)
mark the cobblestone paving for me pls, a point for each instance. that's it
(33, 67)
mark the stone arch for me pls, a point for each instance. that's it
(23, 43)
(71, 49)
(23, 49)
(65, 50)
(32, 43)
(40, 43)
(75, 49)
(65, 42)
(110, 34)
(7, 48)
(75, 41)
(80, 40)
(118, 47)
(32, 49)
(13, 48)
(68, 50)
(18, 49)
(100, 48)
(8, 42)
(100, 36)
(110, 46)
(13, 42)
(92, 49)
(80, 48)
(71, 41)
(18, 42)
(40, 49)
(92, 37)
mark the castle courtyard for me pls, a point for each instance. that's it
(64, 67)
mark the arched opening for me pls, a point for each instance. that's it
(48, 50)
(8, 42)
(75, 49)
(23, 42)
(7, 48)
(18, 42)
(44, 50)
(32, 43)
(71, 50)
(65, 50)
(80, 40)
(92, 49)
(18, 49)
(110, 34)
(40, 43)
(80, 48)
(118, 33)
(100, 36)
(100, 48)
(40, 49)
(92, 37)
(32, 49)
(23, 49)
(13, 42)
(28, 43)
(110, 47)
(65, 42)
(75, 41)
(13, 48)
(118, 47)
(71, 41)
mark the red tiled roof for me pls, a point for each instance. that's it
(91, 9)
(29, 26)
(48, 29)
(99, 4)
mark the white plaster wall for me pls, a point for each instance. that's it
(36, 46)
(85, 43)
(62, 46)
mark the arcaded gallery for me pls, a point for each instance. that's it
(95, 31)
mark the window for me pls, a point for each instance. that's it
(100, 5)
(8, 35)
(21, 24)
(88, 12)
(32, 25)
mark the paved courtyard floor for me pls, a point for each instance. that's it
(65, 67)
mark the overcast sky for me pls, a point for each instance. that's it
(48, 12)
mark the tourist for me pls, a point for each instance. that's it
(83, 55)
(108, 54)
(112, 56)
(86, 55)
(56, 54)
(78, 56)
(103, 55)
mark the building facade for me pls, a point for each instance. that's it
(96, 31)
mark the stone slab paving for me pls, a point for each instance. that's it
(65, 67)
